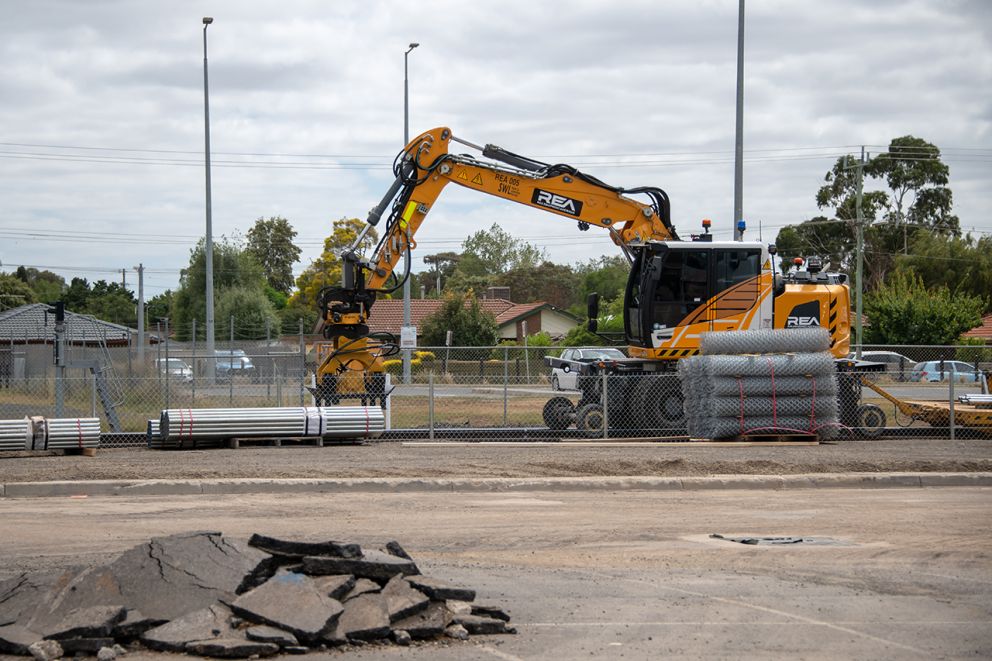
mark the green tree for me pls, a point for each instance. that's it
(251, 310)
(77, 295)
(917, 201)
(499, 252)
(440, 268)
(270, 242)
(46, 285)
(326, 269)
(14, 292)
(471, 326)
(159, 306)
(581, 337)
(233, 267)
(553, 283)
(111, 302)
(904, 311)
(962, 264)
(290, 316)
(606, 276)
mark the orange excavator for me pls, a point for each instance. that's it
(676, 290)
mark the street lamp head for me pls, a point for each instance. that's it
(412, 46)
(207, 20)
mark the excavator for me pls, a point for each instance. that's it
(677, 289)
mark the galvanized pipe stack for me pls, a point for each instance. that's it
(189, 428)
(49, 433)
(15, 434)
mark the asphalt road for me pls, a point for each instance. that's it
(630, 575)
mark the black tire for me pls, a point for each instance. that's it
(589, 420)
(559, 413)
(870, 421)
(554, 383)
(661, 403)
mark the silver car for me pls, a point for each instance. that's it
(565, 374)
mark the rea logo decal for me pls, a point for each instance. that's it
(804, 315)
(557, 202)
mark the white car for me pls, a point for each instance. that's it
(566, 367)
(176, 369)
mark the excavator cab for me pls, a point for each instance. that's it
(677, 290)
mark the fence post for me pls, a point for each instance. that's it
(950, 393)
(606, 407)
(506, 378)
(303, 364)
(167, 379)
(158, 352)
(193, 360)
(430, 404)
(268, 356)
(230, 367)
(93, 394)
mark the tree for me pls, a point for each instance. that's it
(253, 314)
(904, 311)
(111, 302)
(326, 269)
(46, 285)
(606, 276)
(14, 292)
(553, 283)
(233, 267)
(499, 252)
(961, 264)
(442, 266)
(77, 295)
(471, 326)
(270, 242)
(917, 201)
(160, 306)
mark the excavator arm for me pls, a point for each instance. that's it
(353, 363)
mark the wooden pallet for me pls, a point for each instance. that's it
(309, 441)
(805, 439)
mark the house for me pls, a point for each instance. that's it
(511, 318)
(982, 331)
(27, 338)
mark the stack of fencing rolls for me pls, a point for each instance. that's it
(761, 382)
(198, 428)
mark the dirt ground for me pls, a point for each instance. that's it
(509, 460)
(630, 574)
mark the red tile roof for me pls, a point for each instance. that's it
(387, 316)
(982, 331)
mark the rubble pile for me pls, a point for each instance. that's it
(210, 595)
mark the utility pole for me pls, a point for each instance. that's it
(124, 278)
(739, 142)
(209, 241)
(407, 354)
(140, 268)
(860, 248)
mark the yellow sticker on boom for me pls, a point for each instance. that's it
(408, 212)
(477, 179)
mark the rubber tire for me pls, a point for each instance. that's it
(659, 409)
(559, 413)
(554, 383)
(870, 422)
(589, 420)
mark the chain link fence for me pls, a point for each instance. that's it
(491, 393)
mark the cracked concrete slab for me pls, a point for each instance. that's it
(374, 565)
(292, 602)
(203, 624)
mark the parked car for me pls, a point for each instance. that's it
(936, 370)
(230, 364)
(177, 369)
(564, 376)
(897, 366)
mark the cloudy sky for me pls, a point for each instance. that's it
(101, 120)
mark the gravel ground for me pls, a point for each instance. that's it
(551, 460)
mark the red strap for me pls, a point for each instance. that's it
(740, 387)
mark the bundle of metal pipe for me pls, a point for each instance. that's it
(15, 434)
(69, 433)
(152, 434)
(205, 427)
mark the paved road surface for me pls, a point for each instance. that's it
(629, 575)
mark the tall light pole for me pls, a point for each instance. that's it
(406, 141)
(739, 146)
(208, 246)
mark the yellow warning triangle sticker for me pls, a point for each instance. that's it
(462, 175)
(477, 179)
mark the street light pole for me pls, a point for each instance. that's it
(739, 140)
(406, 141)
(208, 246)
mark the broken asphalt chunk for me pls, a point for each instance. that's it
(437, 589)
(374, 565)
(336, 587)
(15, 639)
(478, 625)
(231, 648)
(92, 622)
(428, 623)
(291, 602)
(364, 618)
(362, 586)
(302, 549)
(263, 633)
(402, 600)
(203, 624)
